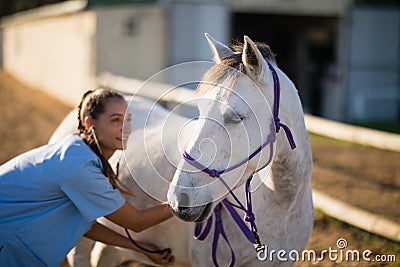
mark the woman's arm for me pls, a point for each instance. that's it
(103, 234)
(138, 220)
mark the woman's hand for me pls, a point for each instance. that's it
(101, 233)
(163, 259)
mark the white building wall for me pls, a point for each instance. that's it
(131, 40)
(374, 65)
(189, 20)
(53, 54)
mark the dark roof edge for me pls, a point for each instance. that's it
(48, 11)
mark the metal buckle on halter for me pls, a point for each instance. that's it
(259, 245)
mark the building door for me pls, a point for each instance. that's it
(305, 48)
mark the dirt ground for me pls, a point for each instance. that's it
(365, 177)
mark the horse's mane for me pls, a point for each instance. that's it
(232, 66)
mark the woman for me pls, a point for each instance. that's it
(52, 195)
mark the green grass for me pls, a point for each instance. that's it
(320, 139)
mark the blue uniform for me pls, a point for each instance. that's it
(49, 197)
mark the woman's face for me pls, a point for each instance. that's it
(112, 127)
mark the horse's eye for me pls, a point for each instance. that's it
(233, 117)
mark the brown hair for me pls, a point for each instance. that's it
(232, 65)
(93, 104)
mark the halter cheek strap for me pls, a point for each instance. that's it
(277, 96)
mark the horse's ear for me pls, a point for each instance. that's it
(253, 60)
(219, 50)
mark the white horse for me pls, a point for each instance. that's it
(234, 122)
(238, 122)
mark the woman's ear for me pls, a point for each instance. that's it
(88, 123)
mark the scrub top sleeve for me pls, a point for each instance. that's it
(91, 191)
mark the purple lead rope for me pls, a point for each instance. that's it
(252, 233)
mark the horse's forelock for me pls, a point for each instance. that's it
(229, 66)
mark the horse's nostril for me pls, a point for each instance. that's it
(183, 200)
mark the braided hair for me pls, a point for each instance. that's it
(92, 105)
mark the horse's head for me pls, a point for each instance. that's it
(235, 120)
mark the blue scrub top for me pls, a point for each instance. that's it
(49, 197)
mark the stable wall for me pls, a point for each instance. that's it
(374, 65)
(63, 53)
(131, 40)
(53, 54)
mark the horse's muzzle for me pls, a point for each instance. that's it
(193, 214)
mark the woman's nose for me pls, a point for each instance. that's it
(127, 128)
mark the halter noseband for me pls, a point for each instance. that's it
(252, 233)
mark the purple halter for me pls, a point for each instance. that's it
(252, 233)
